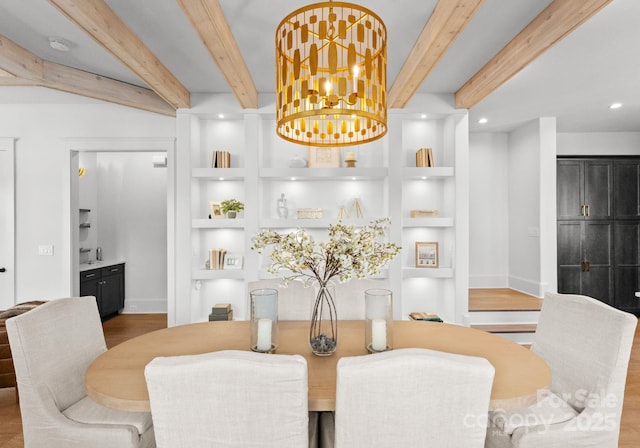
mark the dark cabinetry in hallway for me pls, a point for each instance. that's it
(599, 229)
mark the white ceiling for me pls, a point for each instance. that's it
(575, 81)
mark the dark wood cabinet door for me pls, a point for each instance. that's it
(627, 270)
(90, 285)
(112, 290)
(570, 257)
(627, 189)
(570, 180)
(598, 187)
(585, 263)
(598, 253)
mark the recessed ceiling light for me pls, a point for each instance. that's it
(423, 116)
(59, 44)
(615, 106)
(483, 120)
(221, 116)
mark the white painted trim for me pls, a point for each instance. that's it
(145, 306)
(488, 281)
(531, 287)
(9, 253)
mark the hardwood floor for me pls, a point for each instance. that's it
(123, 327)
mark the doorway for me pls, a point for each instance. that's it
(120, 178)
(7, 224)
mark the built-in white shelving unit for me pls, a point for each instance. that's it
(385, 183)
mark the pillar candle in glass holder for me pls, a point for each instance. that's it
(378, 320)
(264, 320)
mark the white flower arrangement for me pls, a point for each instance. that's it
(351, 252)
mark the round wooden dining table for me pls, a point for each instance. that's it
(116, 378)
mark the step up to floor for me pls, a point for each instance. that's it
(522, 333)
(506, 328)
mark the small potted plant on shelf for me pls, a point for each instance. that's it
(231, 207)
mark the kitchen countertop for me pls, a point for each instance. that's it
(99, 264)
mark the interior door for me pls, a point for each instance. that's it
(7, 224)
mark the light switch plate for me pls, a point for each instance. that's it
(45, 250)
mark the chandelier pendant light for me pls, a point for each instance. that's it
(331, 70)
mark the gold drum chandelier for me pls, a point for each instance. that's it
(331, 70)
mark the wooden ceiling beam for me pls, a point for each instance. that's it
(83, 83)
(443, 27)
(19, 62)
(557, 20)
(208, 19)
(100, 22)
(27, 69)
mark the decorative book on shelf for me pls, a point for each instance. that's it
(221, 159)
(216, 258)
(309, 213)
(424, 158)
(221, 311)
(424, 213)
(421, 315)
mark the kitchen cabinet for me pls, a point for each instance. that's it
(599, 229)
(626, 189)
(585, 259)
(585, 189)
(107, 285)
(627, 265)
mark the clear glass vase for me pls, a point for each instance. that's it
(323, 331)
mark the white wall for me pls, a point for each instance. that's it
(88, 199)
(132, 214)
(42, 180)
(488, 210)
(529, 148)
(599, 144)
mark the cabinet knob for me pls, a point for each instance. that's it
(3, 269)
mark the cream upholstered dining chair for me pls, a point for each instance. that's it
(52, 346)
(587, 345)
(228, 399)
(412, 398)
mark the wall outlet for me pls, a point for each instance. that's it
(45, 250)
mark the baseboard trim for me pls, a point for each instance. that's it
(488, 281)
(533, 288)
(145, 306)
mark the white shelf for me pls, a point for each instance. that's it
(323, 173)
(323, 223)
(214, 274)
(265, 274)
(427, 173)
(428, 222)
(427, 273)
(218, 173)
(218, 223)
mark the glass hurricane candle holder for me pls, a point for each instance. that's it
(378, 320)
(264, 320)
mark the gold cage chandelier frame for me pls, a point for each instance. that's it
(331, 60)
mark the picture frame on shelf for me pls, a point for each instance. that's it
(324, 157)
(233, 261)
(427, 254)
(215, 211)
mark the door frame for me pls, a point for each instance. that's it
(8, 145)
(74, 146)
